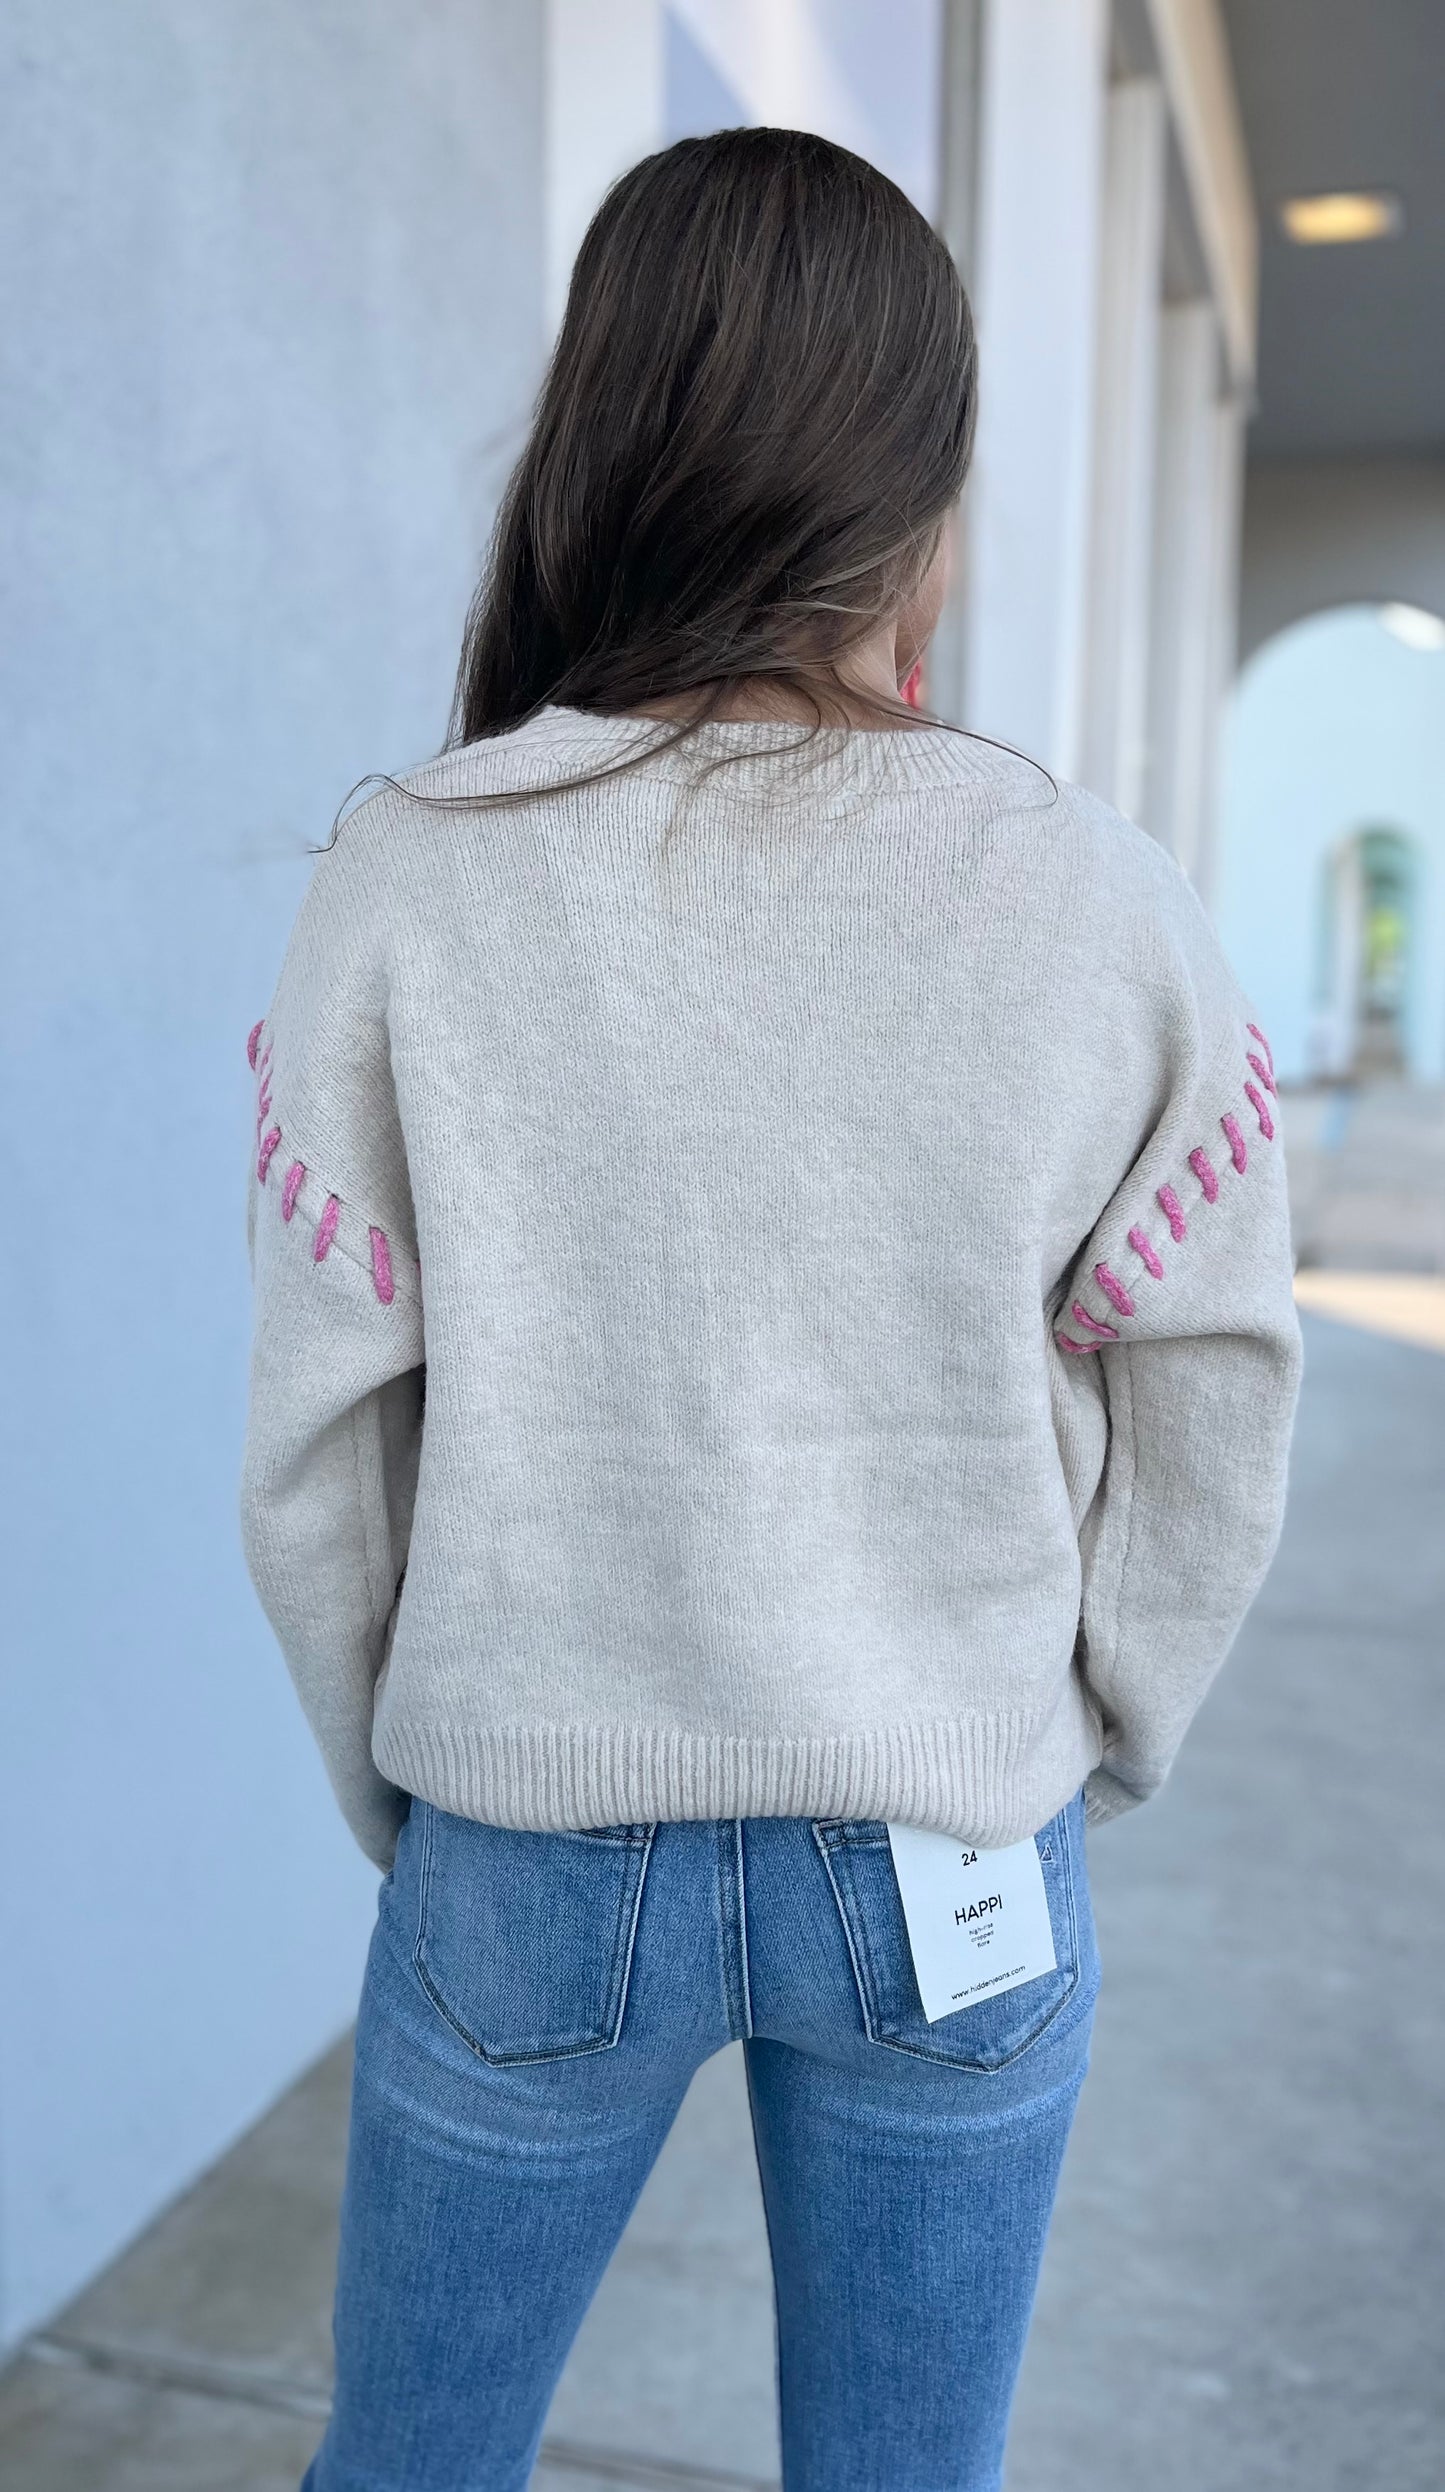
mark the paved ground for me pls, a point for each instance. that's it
(1244, 2284)
(1367, 1178)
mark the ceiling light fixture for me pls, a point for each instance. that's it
(1418, 628)
(1342, 216)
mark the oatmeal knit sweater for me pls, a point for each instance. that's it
(773, 1291)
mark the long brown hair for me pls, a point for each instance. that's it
(755, 423)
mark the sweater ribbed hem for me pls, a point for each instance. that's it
(993, 1778)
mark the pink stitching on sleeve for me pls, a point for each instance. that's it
(1258, 1065)
(1113, 1289)
(252, 1043)
(1173, 1210)
(1237, 1151)
(1146, 1254)
(1256, 1032)
(381, 1271)
(1256, 1101)
(267, 1153)
(326, 1229)
(263, 1100)
(1091, 1324)
(1203, 1168)
(295, 1177)
(1080, 1349)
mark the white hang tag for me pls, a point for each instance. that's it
(978, 1922)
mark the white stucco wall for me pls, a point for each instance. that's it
(270, 318)
(606, 79)
(1334, 728)
(1329, 532)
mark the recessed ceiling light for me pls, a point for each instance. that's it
(1415, 626)
(1342, 216)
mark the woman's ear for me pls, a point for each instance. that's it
(917, 617)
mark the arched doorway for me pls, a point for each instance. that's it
(1369, 889)
(1330, 884)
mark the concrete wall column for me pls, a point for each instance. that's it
(1181, 716)
(1221, 648)
(959, 134)
(1027, 508)
(1125, 419)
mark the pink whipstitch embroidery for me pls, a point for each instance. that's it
(1256, 1101)
(295, 1178)
(252, 1043)
(1113, 1289)
(267, 1153)
(1173, 1210)
(381, 1271)
(326, 1228)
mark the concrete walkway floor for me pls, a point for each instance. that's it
(1247, 2271)
(1367, 1177)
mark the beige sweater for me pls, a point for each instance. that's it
(776, 1303)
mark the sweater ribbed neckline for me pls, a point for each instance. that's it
(763, 757)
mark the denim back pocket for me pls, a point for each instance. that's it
(524, 1941)
(991, 2033)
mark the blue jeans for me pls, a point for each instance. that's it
(535, 2005)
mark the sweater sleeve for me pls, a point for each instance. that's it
(337, 1372)
(1179, 1312)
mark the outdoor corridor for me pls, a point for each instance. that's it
(1248, 2262)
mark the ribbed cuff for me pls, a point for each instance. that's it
(1105, 1797)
